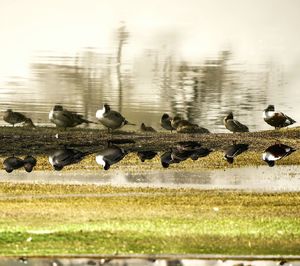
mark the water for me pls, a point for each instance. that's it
(276, 179)
(147, 86)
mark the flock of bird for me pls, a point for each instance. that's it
(112, 154)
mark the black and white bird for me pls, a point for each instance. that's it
(110, 118)
(13, 118)
(276, 152)
(234, 150)
(64, 118)
(233, 125)
(109, 156)
(63, 157)
(276, 119)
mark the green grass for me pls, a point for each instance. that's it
(177, 221)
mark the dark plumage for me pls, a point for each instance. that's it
(276, 119)
(276, 152)
(28, 123)
(234, 125)
(12, 163)
(63, 157)
(146, 155)
(29, 163)
(184, 126)
(13, 117)
(165, 122)
(110, 156)
(234, 150)
(64, 118)
(111, 119)
(144, 128)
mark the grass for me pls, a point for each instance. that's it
(176, 221)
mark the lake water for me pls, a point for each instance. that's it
(149, 85)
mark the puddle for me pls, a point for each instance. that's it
(262, 178)
(141, 262)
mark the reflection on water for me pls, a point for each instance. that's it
(143, 261)
(146, 87)
(280, 178)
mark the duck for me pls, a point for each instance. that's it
(12, 163)
(29, 163)
(184, 126)
(144, 128)
(276, 152)
(146, 155)
(28, 123)
(200, 152)
(110, 155)
(234, 150)
(63, 157)
(166, 159)
(110, 118)
(165, 122)
(276, 119)
(13, 118)
(233, 125)
(64, 118)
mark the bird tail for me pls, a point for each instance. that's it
(129, 123)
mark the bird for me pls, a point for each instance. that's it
(276, 119)
(234, 150)
(144, 128)
(12, 163)
(146, 155)
(110, 155)
(184, 126)
(165, 122)
(276, 152)
(166, 159)
(28, 123)
(63, 157)
(63, 118)
(29, 163)
(13, 118)
(234, 125)
(111, 119)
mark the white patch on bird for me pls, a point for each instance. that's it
(287, 149)
(268, 114)
(288, 121)
(51, 114)
(100, 113)
(51, 161)
(269, 157)
(100, 160)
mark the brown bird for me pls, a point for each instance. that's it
(13, 117)
(234, 125)
(144, 128)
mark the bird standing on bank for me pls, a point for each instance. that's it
(111, 119)
(233, 125)
(144, 128)
(276, 119)
(63, 118)
(13, 117)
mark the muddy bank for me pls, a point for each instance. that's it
(43, 140)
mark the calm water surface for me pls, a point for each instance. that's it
(148, 86)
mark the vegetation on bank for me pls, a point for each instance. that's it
(42, 141)
(111, 220)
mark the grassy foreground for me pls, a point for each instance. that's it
(113, 220)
